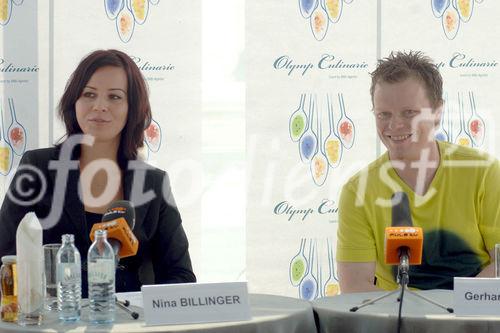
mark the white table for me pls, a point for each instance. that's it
(269, 314)
(418, 316)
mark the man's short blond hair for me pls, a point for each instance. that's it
(399, 66)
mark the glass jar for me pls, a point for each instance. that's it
(8, 278)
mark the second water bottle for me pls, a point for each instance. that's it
(69, 280)
(101, 278)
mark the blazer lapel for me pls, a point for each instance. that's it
(140, 211)
(72, 207)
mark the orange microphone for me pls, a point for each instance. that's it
(119, 221)
(400, 241)
(403, 241)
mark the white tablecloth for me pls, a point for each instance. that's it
(269, 314)
(418, 316)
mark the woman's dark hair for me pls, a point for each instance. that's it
(139, 110)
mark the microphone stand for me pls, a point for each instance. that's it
(124, 306)
(402, 280)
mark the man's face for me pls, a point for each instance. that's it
(405, 118)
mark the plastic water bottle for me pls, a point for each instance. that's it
(497, 260)
(101, 277)
(69, 280)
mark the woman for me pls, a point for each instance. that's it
(106, 98)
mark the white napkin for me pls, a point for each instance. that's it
(30, 268)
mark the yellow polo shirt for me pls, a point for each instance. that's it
(459, 214)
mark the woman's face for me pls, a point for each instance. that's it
(102, 108)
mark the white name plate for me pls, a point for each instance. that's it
(476, 296)
(195, 303)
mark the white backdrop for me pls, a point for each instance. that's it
(164, 39)
(18, 85)
(292, 193)
(198, 101)
(467, 55)
(291, 237)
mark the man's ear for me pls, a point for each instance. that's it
(438, 111)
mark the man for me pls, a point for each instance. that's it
(453, 191)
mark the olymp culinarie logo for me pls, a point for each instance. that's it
(329, 62)
(300, 214)
(148, 66)
(7, 66)
(459, 60)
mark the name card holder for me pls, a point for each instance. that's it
(476, 296)
(188, 303)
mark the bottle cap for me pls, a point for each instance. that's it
(68, 238)
(101, 233)
(9, 259)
